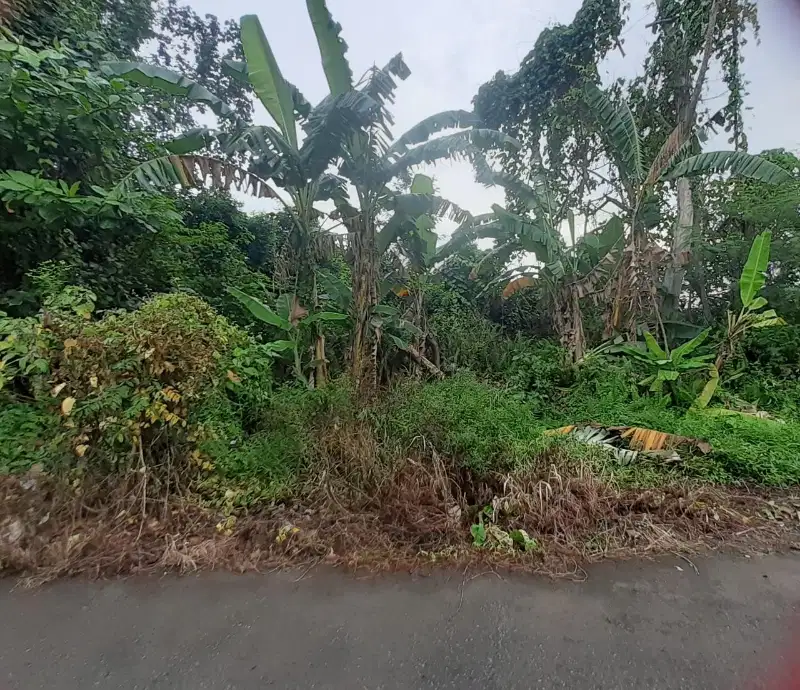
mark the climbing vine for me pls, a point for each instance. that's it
(539, 104)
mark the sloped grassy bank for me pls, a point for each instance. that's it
(454, 471)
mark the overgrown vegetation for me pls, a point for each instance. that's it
(185, 384)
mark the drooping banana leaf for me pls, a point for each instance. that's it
(192, 140)
(619, 129)
(332, 48)
(390, 232)
(673, 147)
(736, 163)
(753, 278)
(534, 235)
(766, 319)
(418, 204)
(380, 85)
(501, 254)
(265, 76)
(536, 197)
(464, 144)
(194, 172)
(483, 226)
(425, 129)
(163, 79)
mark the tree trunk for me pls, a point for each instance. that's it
(568, 322)
(687, 98)
(363, 368)
(681, 250)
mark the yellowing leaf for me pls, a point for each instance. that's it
(561, 431)
(233, 377)
(70, 344)
(93, 380)
(516, 285)
(66, 406)
(80, 450)
(57, 389)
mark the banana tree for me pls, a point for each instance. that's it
(371, 163)
(409, 236)
(635, 293)
(750, 316)
(274, 156)
(346, 147)
(294, 320)
(565, 273)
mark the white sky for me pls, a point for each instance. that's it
(454, 46)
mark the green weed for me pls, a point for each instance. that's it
(484, 427)
(29, 434)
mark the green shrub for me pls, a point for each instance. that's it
(30, 434)
(264, 463)
(468, 341)
(483, 427)
(747, 448)
(539, 368)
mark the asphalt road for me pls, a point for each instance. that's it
(630, 625)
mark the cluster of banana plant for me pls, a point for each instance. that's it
(751, 315)
(666, 366)
(295, 321)
(346, 146)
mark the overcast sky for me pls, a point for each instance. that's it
(454, 46)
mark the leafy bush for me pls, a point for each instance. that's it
(774, 351)
(747, 448)
(469, 341)
(29, 434)
(539, 368)
(485, 428)
(139, 388)
(126, 383)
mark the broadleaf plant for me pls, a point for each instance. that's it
(751, 282)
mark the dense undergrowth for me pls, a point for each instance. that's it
(172, 402)
(183, 384)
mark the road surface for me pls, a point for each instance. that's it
(630, 625)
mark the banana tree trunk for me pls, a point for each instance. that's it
(321, 366)
(419, 319)
(568, 322)
(680, 252)
(363, 367)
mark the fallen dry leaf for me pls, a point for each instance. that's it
(66, 406)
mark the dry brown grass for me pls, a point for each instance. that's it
(365, 508)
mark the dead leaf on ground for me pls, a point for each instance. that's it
(66, 406)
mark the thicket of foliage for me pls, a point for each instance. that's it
(151, 326)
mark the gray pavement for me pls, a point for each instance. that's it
(630, 625)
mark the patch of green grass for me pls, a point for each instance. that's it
(272, 454)
(744, 448)
(759, 450)
(484, 427)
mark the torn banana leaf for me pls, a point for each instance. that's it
(639, 439)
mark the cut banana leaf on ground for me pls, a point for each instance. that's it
(627, 442)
